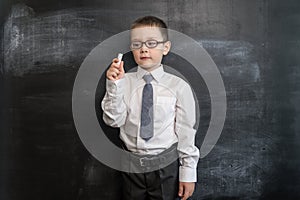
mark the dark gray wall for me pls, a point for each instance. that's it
(255, 45)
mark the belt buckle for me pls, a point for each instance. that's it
(142, 161)
(146, 161)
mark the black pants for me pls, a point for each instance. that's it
(161, 184)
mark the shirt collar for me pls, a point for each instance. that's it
(157, 73)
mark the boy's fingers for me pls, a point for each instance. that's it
(115, 60)
(186, 195)
(112, 73)
(115, 64)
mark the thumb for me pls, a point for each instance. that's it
(180, 191)
(121, 68)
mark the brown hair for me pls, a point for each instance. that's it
(152, 22)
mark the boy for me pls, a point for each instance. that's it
(156, 114)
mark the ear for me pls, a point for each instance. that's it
(167, 47)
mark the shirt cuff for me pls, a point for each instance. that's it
(115, 87)
(187, 174)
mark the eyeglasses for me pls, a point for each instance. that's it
(149, 43)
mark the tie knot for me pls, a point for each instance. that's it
(148, 78)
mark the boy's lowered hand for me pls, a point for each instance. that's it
(115, 71)
(186, 189)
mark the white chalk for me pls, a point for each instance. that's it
(120, 56)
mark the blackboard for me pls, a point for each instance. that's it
(255, 45)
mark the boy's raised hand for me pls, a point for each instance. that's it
(115, 71)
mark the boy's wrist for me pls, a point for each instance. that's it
(187, 174)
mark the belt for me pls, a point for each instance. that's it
(161, 159)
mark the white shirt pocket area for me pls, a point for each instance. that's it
(164, 113)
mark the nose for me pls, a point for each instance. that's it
(144, 48)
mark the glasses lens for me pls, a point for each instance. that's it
(136, 45)
(151, 43)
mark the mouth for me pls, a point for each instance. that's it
(145, 58)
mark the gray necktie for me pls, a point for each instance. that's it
(146, 131)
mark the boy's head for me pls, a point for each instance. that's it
(149, 42)
(151, 21)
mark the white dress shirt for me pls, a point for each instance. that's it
(174, 116)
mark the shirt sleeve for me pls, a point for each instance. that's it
(184, 128)
(113, 106)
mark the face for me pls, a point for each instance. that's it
(149, 58)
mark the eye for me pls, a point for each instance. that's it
(136, 44)
(151, 43)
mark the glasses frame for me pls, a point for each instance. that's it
(142, 43)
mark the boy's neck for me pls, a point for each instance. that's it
(151, 68)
